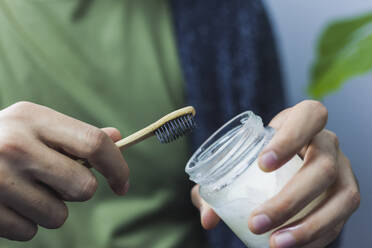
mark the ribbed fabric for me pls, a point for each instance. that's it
(230, 64)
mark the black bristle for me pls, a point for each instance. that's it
(176, 128)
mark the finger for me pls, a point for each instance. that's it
(313, 227)
(327, 238)
(33, 201)
(14, 226)
(319, 171)
(280, 119)
(85, 141)
(302, 123)
(113, 133)
(343, 200)
(71, 180)
(326, 135)
(208, 218)
(347, 178)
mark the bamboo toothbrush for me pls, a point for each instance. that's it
(166, 129)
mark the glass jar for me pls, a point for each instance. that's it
(231, 182)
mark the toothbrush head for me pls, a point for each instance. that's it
(176, 124)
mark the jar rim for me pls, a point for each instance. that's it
(228, 142)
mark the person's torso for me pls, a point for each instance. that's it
(113, 64)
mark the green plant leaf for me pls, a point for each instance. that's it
(344, 51)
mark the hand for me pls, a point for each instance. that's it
(37, 172)
(300, 130)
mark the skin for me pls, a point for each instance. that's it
(38, 168)
(39, 172)
(300, 130)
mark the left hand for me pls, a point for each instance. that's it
(300, 130)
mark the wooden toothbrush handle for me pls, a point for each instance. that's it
(148, 131)
(133, 139)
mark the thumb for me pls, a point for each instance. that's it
(113, 133)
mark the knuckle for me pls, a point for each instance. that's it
(329, 168)
(88, 189)
(96, 139)
(333, 138)
(58, 217)
(346, 160)
(318, 108)
(353, 196)
(10, 146)
(19, 112)
(338, 228)
(6, 179)
(21, 108)
(23, 105)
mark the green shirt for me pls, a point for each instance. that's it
(115, 65)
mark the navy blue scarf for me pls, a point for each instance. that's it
(230, 65)
(229, 60)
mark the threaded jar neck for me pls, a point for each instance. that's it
(229, 151)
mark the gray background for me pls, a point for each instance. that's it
(298, 25)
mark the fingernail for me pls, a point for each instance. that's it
(261, 223)
(268, 160)
(284, 240)
(126, 188)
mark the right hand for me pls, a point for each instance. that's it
(38, 172)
